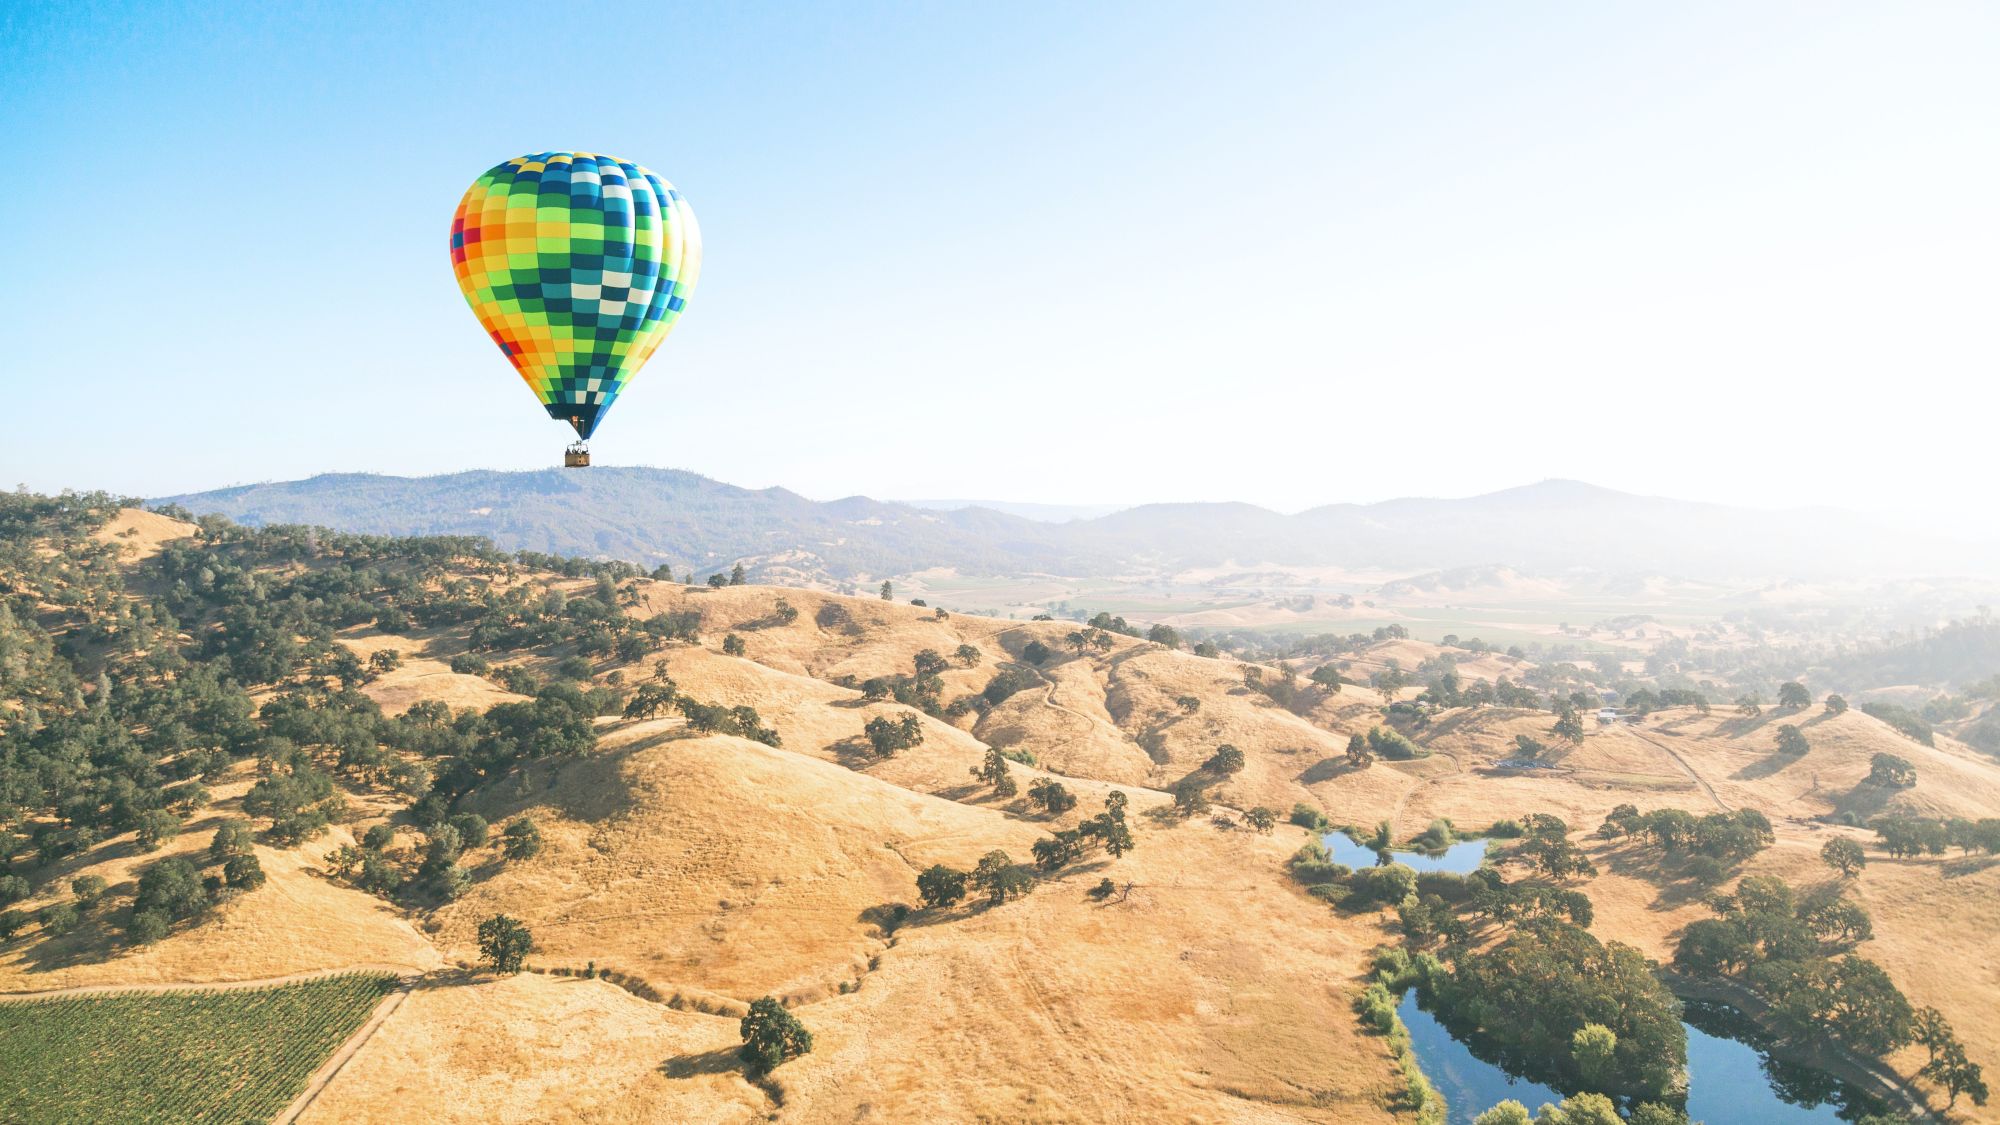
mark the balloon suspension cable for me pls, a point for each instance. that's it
(577, 455)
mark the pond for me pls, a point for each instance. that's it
(1730, 1079)
(1460, 859)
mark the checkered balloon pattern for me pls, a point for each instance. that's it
(578, 266)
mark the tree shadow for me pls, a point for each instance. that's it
(1326, 769)
(854, 752)
(1967, 865)
(1863, 802)
(1764, 767)
(1741, 725)
(721, 1060)
(888, 917)
(1672, 888)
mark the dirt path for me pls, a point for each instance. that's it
(331, 1067)
(1403, 802)
(1049, 700)
(1670, 752)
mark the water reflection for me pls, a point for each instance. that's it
(1459, 859)
(1731, 1079)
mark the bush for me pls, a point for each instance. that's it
(88, 889)
(1307, 817)
(59, 918)
(1388, 883)
(472, 829)
(521, 840)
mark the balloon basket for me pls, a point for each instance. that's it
(576, 456)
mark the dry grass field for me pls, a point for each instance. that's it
(708, 870)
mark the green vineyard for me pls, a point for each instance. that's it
(229, 1055)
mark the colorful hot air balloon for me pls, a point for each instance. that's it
(578, 266)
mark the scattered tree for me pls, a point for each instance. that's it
(1052, 796)
(243, 872)
(1000, 878)
(940, 886)
(886, 735)
(504, 943)
(773, 1036)
(1891, 770)
(1225, 761)
(1843, 855)
(1791, 743)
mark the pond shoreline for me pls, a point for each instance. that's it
(1869, 1076)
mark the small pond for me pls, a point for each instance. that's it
(1461, 858)
(1730, 1079)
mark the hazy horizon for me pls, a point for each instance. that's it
(1063, 511)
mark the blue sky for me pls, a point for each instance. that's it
(1290, 254)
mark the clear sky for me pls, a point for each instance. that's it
(1283, 253)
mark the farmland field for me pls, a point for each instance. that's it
(223, 1055)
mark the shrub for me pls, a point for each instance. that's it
(1307, 817)
(59, 918)
(472, 829)
(1388, 883)
(521, 840)
(88, 889)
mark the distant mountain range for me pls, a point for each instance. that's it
(689, 521)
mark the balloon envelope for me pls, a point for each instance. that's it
(578, 266)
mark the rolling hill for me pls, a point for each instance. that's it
(684, 871)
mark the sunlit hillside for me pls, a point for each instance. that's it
(720, 822)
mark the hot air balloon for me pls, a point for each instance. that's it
(577, 265)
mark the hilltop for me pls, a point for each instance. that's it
(691, 860)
